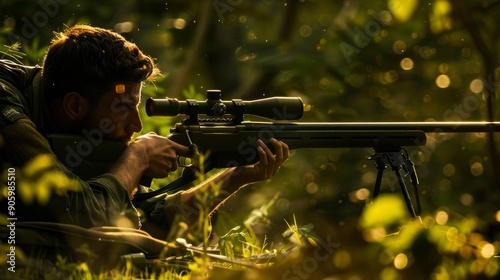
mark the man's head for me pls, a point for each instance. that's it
(90, 74)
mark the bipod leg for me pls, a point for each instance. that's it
(397, 160)
(404, 190)
(380, 172)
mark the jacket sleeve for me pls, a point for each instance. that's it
(22, 142)
(100, 201)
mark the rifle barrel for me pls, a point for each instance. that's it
(427, 127)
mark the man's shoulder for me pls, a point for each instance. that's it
(18, 93)
(11, 69)
(16, 75)
(16, 65)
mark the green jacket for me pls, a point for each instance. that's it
(25, 122)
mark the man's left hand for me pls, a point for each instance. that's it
(268, 164)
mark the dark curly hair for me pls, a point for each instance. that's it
(91, 61)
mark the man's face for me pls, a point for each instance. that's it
(116, 113)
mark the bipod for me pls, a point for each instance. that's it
(398, 159)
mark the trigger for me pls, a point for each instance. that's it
(193, 150)
(188, 161)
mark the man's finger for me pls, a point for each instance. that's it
(262, 151)
(278, 149)
(181, 150)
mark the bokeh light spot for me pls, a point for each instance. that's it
(476, 86)
(400, 261)
(441, 217)
(342, 259)
(305, 30)
(449, 170)
(406, 63)
(362, 194)
(443, 81)
(488, 251)
(476, 168)
(497, 216)
(399, 47)
(312, 188)
(466, 199)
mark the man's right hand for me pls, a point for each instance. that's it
(151, 155)
(159, 154)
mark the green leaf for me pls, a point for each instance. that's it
(385, 211)
(402, 10)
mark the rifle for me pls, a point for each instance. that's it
(216, 128)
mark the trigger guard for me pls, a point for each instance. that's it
(179, 162)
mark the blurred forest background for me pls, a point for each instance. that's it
(354, 60)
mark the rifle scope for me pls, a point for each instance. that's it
(278, 108)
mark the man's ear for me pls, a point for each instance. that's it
(75, 106)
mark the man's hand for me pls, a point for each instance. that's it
(150, 154)
(234, 178)
(268, 164)
(159, 154)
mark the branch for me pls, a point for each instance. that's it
(180, 78)
(488, 58)
(264, 79)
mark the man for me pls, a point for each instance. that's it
(92, 79)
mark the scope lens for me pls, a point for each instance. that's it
(150, 106)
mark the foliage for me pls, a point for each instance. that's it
(349, 61)
(394, 245)
(12, 52)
